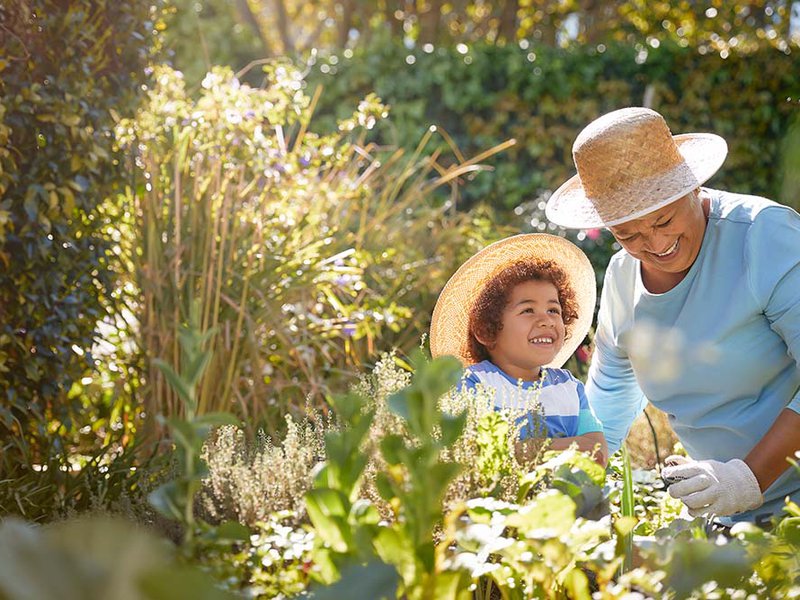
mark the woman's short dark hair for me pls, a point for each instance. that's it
(486, 314)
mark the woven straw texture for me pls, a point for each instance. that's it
(450, 322)
(629, 165)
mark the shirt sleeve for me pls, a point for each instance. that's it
(773, 272)
(611, 388)
(469, 380)
(587, 420)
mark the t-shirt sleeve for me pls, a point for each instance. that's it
(587, 421)
(773, 271)
(611, 388)
(469, 381)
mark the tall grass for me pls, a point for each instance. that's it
(304, 251)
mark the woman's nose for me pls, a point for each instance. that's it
(657, 242)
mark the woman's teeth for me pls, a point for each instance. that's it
(668, 252)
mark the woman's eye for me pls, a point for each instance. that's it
(664, 224)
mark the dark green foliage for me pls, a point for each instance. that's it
(543, 96)
(67, 70)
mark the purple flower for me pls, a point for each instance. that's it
(305, 161)
(342, 280)
(349, 330)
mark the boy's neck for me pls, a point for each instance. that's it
(530, 374)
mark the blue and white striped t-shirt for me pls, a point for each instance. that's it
(560, 396)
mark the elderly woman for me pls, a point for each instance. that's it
(717, 274)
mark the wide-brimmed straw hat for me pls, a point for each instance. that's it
(629, 165)
(450, 322)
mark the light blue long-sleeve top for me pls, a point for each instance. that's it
(719, 352)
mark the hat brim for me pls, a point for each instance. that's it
(450, 322)
(703, 154)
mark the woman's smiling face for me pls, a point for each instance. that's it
(667, 240)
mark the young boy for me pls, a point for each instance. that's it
(513, 314)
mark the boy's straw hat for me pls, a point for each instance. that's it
(629, 165)
(450, 322)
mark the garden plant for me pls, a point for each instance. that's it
(223, 228)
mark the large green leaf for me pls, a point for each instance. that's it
(170, 499)
(551, 514)
(327, 509)
(372, 581)
(452, 427)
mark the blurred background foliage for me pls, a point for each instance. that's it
(543, 96)
(269, 28)
(306, 253)
(132, 183)
(67, 70)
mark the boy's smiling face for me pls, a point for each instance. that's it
(532, 330)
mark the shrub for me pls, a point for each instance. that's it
(543, 96)
(250, 479)
(305, 251)
(67, 69)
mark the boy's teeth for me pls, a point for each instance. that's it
(542, 340)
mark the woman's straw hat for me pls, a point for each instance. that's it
(450, 322)
(629, 165)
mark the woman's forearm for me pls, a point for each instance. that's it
(767, 459)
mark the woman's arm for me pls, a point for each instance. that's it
(767, 459)
(611, 388)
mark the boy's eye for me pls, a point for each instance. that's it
(555, 311)
(526, 310)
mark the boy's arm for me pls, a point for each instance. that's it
(594, 443)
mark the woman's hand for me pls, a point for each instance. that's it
(712, 487)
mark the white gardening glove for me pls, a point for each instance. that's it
(713, 487)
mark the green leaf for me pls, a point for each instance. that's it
(396, 549)
(374, 581)
(550, 515)
(179, 582)
(364, 512)
(216, 419)
(628, 501)
(346, 406)
(184, 391)
(399, 404)
(452, 427)
(184, 434)
(393, 449)
(577, 584)
(328, 510)
(232, 531)
(170, 499)
(384, 486)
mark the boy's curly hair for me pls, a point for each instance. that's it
(486, 314)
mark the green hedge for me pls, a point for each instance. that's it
(68, 69)
(543, 96)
